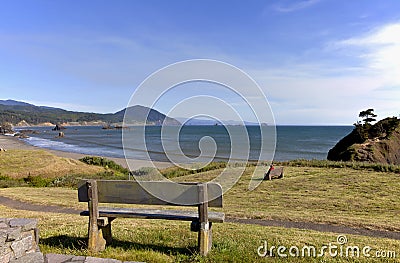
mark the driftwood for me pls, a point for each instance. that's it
(130, 192)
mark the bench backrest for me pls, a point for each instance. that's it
(277, 171)
(132, 192)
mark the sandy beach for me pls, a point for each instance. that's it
(9, 142)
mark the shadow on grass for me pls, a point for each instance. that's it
(65, 242)
(79, 243)
(259, 179)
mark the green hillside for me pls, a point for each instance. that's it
(15, 112)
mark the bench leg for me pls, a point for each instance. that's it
(267, 176)
(96, 242)
(210, 236)
(107, 235)
(205, 238)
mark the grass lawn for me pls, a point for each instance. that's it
(343, 196)
(171, 241)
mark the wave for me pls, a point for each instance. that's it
(104, 151)
(65, 147)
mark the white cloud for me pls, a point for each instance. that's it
(296, 6)
(364, 73)
(320, 100)
(380, 51)
(303, 91)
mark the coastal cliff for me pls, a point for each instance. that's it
(378, 143)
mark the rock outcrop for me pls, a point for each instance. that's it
(378, 143)
(58, 127)
(6, 127)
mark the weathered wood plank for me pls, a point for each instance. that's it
(106, 230)
(201, 195)
(277, 172)
(131, 192)
(96, 242)
(274, 173)
(204, 231)
(182, 215)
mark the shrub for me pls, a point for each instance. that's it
(103, 162)
(37, 181)
(177, 171)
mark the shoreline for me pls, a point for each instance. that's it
(12, 143)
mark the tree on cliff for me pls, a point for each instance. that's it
(368, 115)
(379, 142)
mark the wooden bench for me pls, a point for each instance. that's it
(131, 192)
(274, 173)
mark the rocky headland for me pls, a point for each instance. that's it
(377, 143)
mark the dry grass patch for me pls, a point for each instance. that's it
(22, 163)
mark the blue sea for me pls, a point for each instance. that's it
(292, 142)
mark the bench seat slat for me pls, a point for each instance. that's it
(182, 215)
(132, 192)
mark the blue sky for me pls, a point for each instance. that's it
(318, 62)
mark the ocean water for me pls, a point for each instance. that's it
(292, 142)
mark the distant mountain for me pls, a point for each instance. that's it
(14, 103)
(138, 113)
(16, 112)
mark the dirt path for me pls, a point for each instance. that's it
(18, 205)
(15, 204)
(319, 227)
